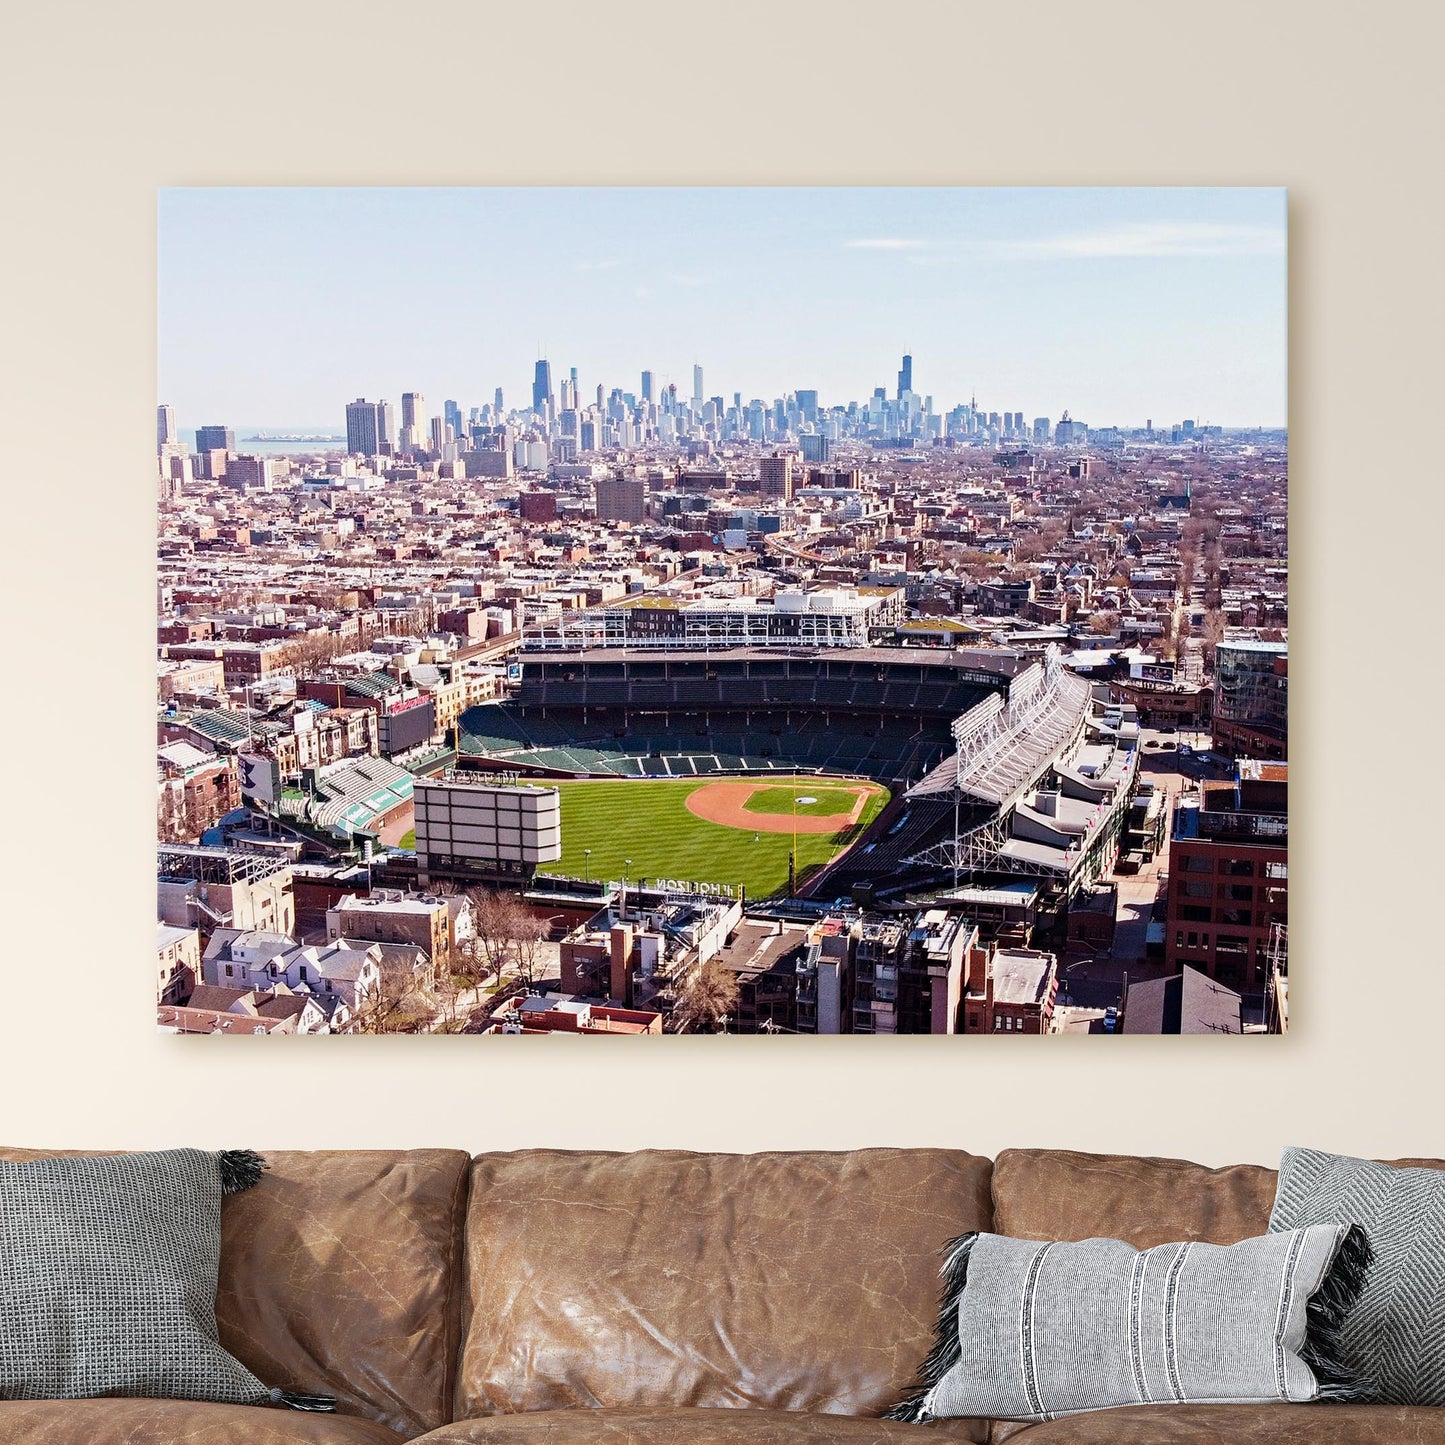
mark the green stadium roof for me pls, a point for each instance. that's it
(221, 727)
(372, 684)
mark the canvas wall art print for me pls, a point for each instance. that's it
(781, 611)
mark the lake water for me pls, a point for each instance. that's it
(275, 448)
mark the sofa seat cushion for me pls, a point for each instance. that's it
(1246, 1424)
(777, 1281)
(1061, 1194)
(697, 1427)
(169, 1422)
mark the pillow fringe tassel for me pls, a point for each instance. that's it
(916, 1408)
(240, 1169)
(316, 1404)
(1325, 1317)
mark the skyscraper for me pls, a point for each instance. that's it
(542, 386)
(775, 477)
(413, 419)
(497, 402)
(368, 427)
(165, 427)
(905, 377)
(215, 439)
(697, 387)
(647, 386)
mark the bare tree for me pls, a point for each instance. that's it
(706, 999)
(1213, 635)
(309, 655)
(1188, 565)
(532, 934)
(502, 924)
(402, 1004)
(972, 559)
(447, 997)
(1029, 547)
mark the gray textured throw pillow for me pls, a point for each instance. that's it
(108, 1278)
(1396, 1334)
(1033, 1331)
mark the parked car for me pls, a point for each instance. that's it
(1111, 1020)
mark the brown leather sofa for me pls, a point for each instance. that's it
(556, 1298)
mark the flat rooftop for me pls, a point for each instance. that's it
(760, 948)
(1012, 895)
(1021, 976)
(1256, 770)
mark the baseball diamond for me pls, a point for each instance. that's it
(704, 829)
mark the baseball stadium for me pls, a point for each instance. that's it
(872, 768)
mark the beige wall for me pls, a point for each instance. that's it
(102, 104)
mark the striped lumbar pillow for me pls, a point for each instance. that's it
(1032, 1331)
(1396, 1334)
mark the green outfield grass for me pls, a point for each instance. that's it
(826, 801)
(408, 839)
(648, 822)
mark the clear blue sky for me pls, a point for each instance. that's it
(277, 306)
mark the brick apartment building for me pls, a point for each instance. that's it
(1010, 991)
(194, 792)
(390, 916)
(1229, 875)
(540, 507)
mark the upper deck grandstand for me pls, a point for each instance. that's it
(884, 713)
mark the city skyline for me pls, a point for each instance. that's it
(1116, 305)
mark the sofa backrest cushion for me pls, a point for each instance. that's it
(341, 1275)
(1060, 1194)
(801, 1281)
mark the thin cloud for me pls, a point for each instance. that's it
(884, 243)
(597, 265)
(1143, 239)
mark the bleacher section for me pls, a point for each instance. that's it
(353, 796)
(906, 827)
(1017, 749)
